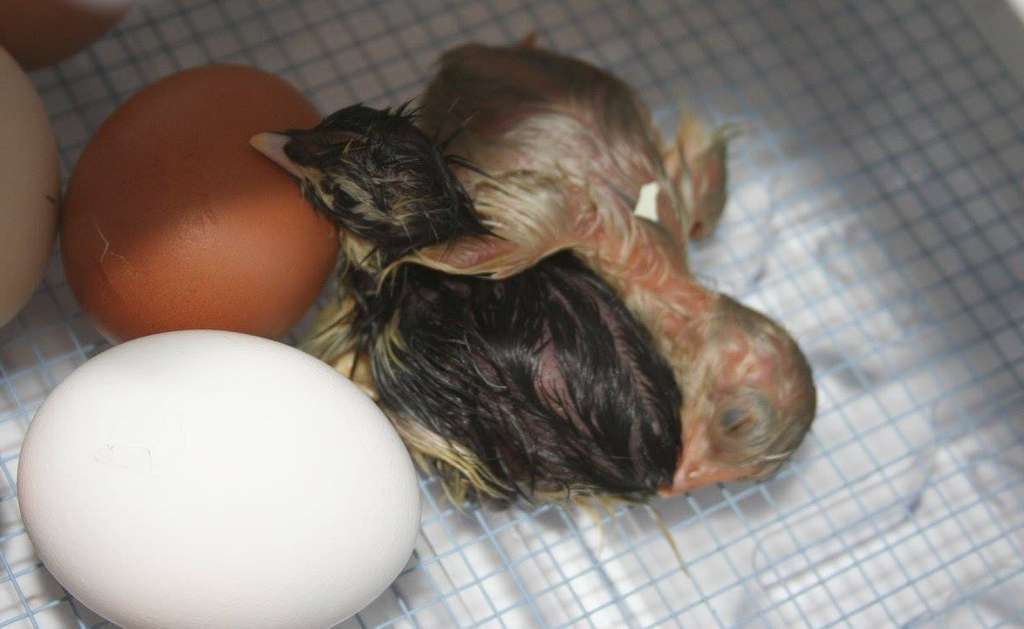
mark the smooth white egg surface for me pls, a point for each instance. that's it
(29, 188)
(213, 479)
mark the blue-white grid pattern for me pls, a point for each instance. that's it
(876, 209)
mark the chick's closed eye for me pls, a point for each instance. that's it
(734, 419)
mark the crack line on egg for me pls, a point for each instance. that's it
(106, 246)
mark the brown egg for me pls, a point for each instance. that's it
(40, 32)
(172, 221)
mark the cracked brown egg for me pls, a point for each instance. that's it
(171, 220)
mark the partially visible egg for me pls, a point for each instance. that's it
(203, 479)
(42, 32)
(172, 221)
(29, 188)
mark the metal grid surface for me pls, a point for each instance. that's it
(876, 209)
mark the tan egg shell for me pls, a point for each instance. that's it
(29, 188)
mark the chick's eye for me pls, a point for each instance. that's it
(734, 418)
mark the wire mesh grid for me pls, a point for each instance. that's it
(876, 209)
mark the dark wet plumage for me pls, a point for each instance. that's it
(546, 378)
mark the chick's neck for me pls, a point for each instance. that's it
(648, 269)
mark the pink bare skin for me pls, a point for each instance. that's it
(566, 149)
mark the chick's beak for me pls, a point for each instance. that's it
(272, 146)
(698, 467)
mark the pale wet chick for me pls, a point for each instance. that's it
(564, 154)
(559, 159)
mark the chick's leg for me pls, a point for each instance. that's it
(696, 163)
(332, 341)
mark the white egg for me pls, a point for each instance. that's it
(211, 479)
(29, 188)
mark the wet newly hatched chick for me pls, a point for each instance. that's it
(562, 154)
(542, 385)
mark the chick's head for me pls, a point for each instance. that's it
(750, 399)
(387, 186)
